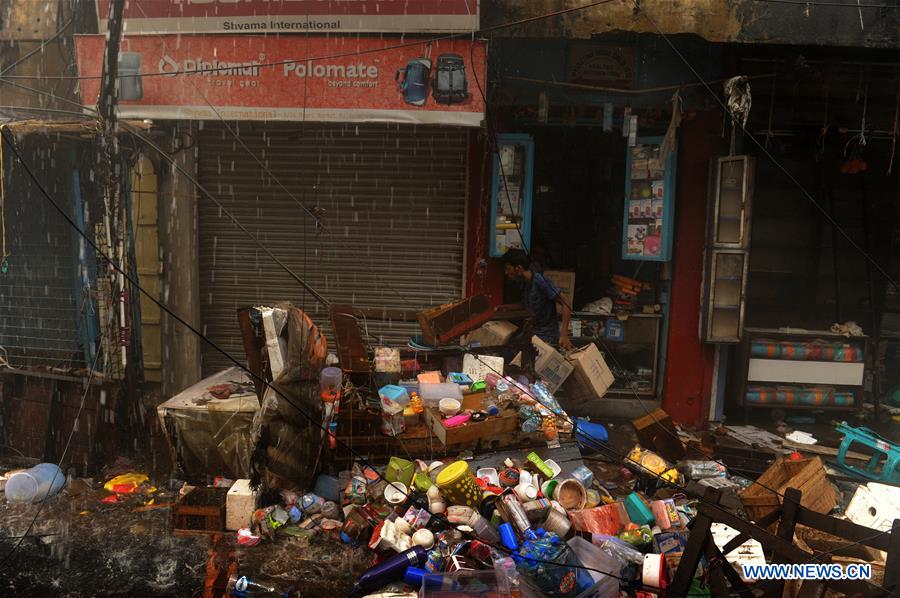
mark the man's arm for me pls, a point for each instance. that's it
(564, 341)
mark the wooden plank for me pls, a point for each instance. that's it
(352, 351)
(786, 524)
(818, 449)
(445, 322)
(765, 522)
(846, 530)
(769, 541)
(696, 547)
(891, 580)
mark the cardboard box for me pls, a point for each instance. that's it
(477, 367)
(566, 283)
(550, 365)
(491, 428)
(240, 502)
(492, 334)
(591, 377)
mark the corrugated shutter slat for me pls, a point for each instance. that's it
(393, 198)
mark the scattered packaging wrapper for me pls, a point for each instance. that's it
(749, 553)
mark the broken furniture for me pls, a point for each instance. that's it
(446, 322)
(206, 433)
(656, 432)
(200, 512)
(884, 466)
(806, 475)
(801, 370)
(779, 548)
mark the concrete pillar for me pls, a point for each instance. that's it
(178, 232)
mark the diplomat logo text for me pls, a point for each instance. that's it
(201, 66)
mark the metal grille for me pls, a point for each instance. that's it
(393, 200)
(38, 313)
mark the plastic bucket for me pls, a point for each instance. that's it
(35, 484)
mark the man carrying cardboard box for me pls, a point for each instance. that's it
(540, 297)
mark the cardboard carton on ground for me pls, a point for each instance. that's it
(240, 502)
(492, 334)
(591, 377)
(550, 365)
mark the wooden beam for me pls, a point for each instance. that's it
(696, 546)
(818, 449)
(846, 530)
(786, 525)
(764, 523)
(891, 581)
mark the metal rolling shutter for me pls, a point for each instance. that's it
(393, 198)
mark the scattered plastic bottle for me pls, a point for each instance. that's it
(550, 431)
(698, 470)
(242, 586)
(415, 401)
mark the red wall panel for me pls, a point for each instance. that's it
(689, 363)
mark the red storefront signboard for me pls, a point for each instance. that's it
(334, 78)
(294, 16)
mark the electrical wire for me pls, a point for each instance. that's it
(588, 440)
(227, 355)
(597, 88)
(416, 42)
(40, 48)
(62, 459)
(312, 420)
(825, 214)
(526, 20)
(237, 137)
(137, 133)
(816, 4)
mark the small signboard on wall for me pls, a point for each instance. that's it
(603, 65)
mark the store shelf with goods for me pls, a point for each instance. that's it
(632, 347)
(802, 369)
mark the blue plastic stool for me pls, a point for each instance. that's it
(884, 449)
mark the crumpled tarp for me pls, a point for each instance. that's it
(208, 435)
(286, 441)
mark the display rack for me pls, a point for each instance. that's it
(802, 370)
(634, 358)
(649, 202)
(511, 194)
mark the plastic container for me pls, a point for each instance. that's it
(34, 485)
(393, 394)
(590, 434)
(597, 559)
(638, 511)
(432, 394)
(330, 382)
